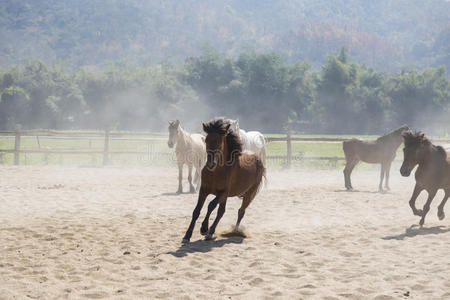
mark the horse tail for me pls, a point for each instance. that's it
(263, 155)
(261, 175)
(261, 180)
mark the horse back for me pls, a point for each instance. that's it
(350, 148)
(254, 141)
(368, 151)
(198, 140)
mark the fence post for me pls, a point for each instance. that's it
(17, 148)
(289, 150)
(106, 148)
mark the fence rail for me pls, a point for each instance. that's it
(106, 136)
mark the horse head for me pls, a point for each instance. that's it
(402, 129)
(216, 132)
(174, 127)
(415, 145)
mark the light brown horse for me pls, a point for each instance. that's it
(381, 151)
(190, 149)
(228, 172)
(432, 174)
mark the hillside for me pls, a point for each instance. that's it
(384, 34)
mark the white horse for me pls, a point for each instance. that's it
(253, 141)
(191, 150)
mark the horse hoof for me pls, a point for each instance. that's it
(179, 192)
(208, 237)
(203, 231)
(185, 241)
(441, 215)
(192, 191)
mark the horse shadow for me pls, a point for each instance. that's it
(177, 194)
(363, 191)
(204, 246)
(415, 230)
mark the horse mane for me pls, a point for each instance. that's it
(441, 151)
(392, 133)
(222, 126)
(417, 138)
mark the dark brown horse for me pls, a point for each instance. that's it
(381, 151)
(432, 174)
(228, 172)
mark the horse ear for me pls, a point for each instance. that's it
(170, 122)
(204, 127)
(177, 122)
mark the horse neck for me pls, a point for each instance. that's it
(182, 139)
(430, 157)
(225, 155)
(392, 139)
(226, 151)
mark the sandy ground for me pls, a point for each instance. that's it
(115, 233)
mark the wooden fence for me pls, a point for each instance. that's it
(107, 135)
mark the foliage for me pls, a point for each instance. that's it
(261, 89)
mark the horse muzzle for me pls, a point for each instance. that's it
(405, 171)
(170, 144)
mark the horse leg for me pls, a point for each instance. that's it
(205, 224)
(412, 201)
(387, 170)
(349, 165)
(196, 179)
(441, 214)
(426, 207)
(241, 212)
(197, 176)
(191, 187)
(201, 200)
(382, 170)
(180, 179)
(220, 212)
(346, 172)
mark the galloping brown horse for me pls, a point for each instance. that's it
(228, 172)
(432, 174)
(381, 151)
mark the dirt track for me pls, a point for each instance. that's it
(116, 232)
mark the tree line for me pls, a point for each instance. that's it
(260, 89)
